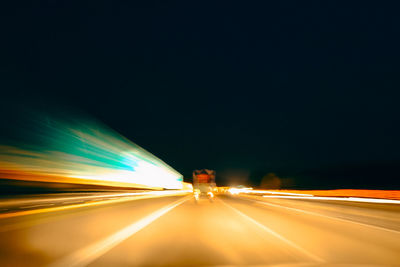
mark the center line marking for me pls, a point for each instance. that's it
(287, 241)
(90, 253)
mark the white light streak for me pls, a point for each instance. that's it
(352, 199)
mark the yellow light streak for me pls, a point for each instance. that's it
(126, 197)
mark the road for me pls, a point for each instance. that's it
(176, 231)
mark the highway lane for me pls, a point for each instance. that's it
(233, 230)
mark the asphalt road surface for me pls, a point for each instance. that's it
(177, 231)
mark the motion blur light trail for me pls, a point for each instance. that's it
(83, 152)
(369, 196)
(350, 193)
(353, 199)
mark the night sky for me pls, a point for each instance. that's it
(306, 90)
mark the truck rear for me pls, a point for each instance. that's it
(204, 184)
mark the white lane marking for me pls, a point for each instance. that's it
(352, 199)
(90, 253)
(35, 206)
(329, 217)
(287, 241)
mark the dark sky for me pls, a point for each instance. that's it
(308, 90)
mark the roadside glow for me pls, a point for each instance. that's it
(235, 191)
(84, 152)
(276, 193)
(187, 186)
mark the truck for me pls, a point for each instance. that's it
(204, 184)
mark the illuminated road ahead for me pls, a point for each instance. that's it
(175, 231)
